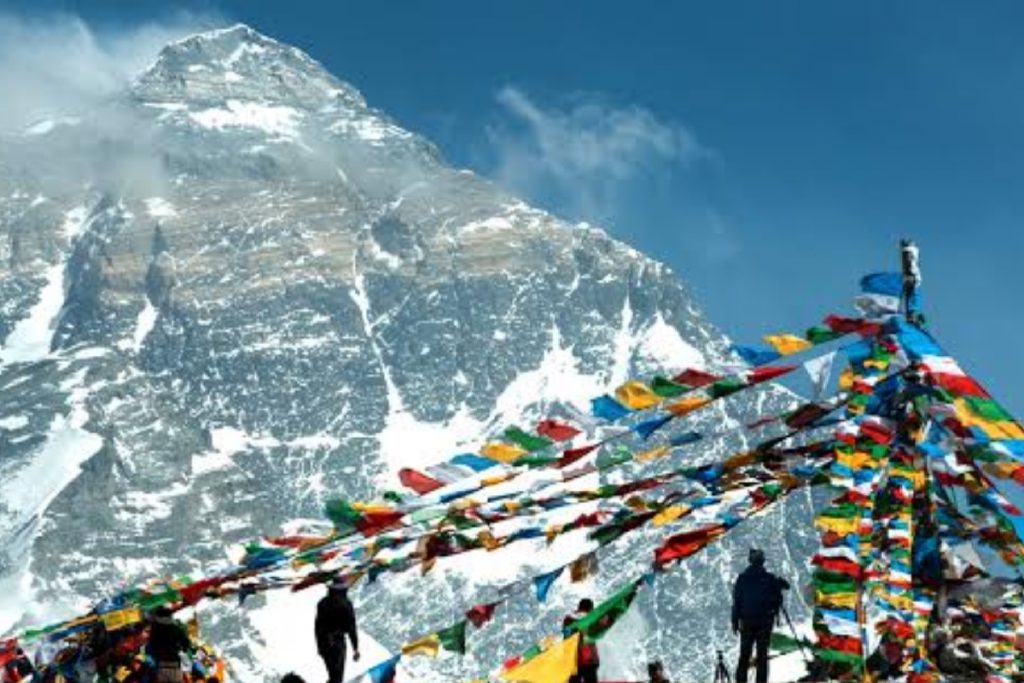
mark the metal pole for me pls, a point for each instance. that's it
(796, 636)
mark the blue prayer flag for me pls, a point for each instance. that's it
(543, 583)
(607, 408)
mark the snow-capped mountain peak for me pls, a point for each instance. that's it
(282, 296)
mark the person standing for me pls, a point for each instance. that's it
(167, 641)
(587, 659)
(656, 673)
(756, 602)
(335, 621)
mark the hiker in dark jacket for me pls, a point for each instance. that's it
(756, 602)
(656, 673)
(167, 640)
(336, 619)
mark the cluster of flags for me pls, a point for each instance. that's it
(913, 447)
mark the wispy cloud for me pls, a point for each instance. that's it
(582, 159)
(56, 65)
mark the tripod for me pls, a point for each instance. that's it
(721, 671)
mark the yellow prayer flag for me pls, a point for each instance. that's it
(502, 452)
(637, 395)
(738, 460)
(121, 618)
(846, 378)
(688, 405)
(670, 514)
(495, 479)
(843, 527)
(555, 665)
(652, 454)
(428, 646)
(787, 344)
(837, 600)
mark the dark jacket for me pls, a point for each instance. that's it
(167, 639)
(335, 619)
(756, 598)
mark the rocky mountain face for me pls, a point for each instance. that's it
(236, 290)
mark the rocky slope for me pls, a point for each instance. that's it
(235, 290)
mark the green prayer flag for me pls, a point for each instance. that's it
(453, 638)
(784, 644)
(612, 457)
(531, 442)
(594, 625)
(341, 513)
(724, 387)
(987, 409)
(666, 388)
(819, 334)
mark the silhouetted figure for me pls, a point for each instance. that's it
(292, 678)
(167, 640)
(656, 673)
(756, 601)
(336, 620)
(587, 659)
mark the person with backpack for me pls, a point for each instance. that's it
(336, 620)
(587, 659)
(756, 603)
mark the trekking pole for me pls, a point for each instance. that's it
(796, 636)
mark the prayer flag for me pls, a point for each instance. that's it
(556, 431)
(607, 408)
(385, 671)
(787, 344)
(481, 614)
(637, 395)
(502, 452)
(417, 481)
(555, 665)
(542, 584)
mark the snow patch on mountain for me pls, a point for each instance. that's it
(276, 120)
(158, 207)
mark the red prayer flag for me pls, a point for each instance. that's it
(842, 325)
(375, 522)
(557, 431)
(481, 614)
(685, 544)
(573, 454)
(839, 643)
(417, 481)
(959, 384)
(765, 374)
(695, 378)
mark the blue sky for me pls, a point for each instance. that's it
(771, 153)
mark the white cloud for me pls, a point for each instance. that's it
(55, 65)
(579, 159)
